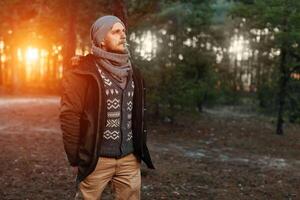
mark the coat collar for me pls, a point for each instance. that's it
(87, 65)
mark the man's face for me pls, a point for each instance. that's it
(115, 39)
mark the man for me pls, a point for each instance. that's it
(102, 116)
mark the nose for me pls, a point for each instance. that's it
(123, 36)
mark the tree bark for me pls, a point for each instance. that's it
(70, 41)
(119, 9)
(282, 91)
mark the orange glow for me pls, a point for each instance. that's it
(32, 54)
(32, 65)
(1, 46)
(3, 58)
(19, 54)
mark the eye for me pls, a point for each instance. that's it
(115, 32)
(119, 31)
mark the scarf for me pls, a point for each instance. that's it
(117, 64)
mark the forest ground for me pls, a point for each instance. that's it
(221, 154)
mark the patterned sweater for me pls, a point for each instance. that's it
(117, 136)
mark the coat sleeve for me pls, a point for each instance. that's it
(71, 106)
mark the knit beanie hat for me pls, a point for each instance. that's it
(101, 27)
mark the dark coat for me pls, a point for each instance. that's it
(83, 116)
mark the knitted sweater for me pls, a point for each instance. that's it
(117, 136)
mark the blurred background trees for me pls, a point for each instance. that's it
(278, 20)
(193, 54)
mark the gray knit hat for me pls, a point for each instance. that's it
(101, 27)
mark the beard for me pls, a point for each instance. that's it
(116, 47)
(117, 50)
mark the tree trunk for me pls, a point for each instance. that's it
(282, 91)
(199, 106)
(1, 71)
(172, 111)
(70, 44)
(119, 9)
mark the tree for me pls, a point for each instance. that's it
(282, 16)
(178, 76)
(70, 41)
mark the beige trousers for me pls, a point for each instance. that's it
(124, 175)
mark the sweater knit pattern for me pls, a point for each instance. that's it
(117, 135)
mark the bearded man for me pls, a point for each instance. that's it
(102, 116)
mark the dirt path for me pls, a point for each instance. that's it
(209, 157)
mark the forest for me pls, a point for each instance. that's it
(223, 94)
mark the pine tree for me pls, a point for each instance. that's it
(284, 17)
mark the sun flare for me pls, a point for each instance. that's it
(32, 54)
